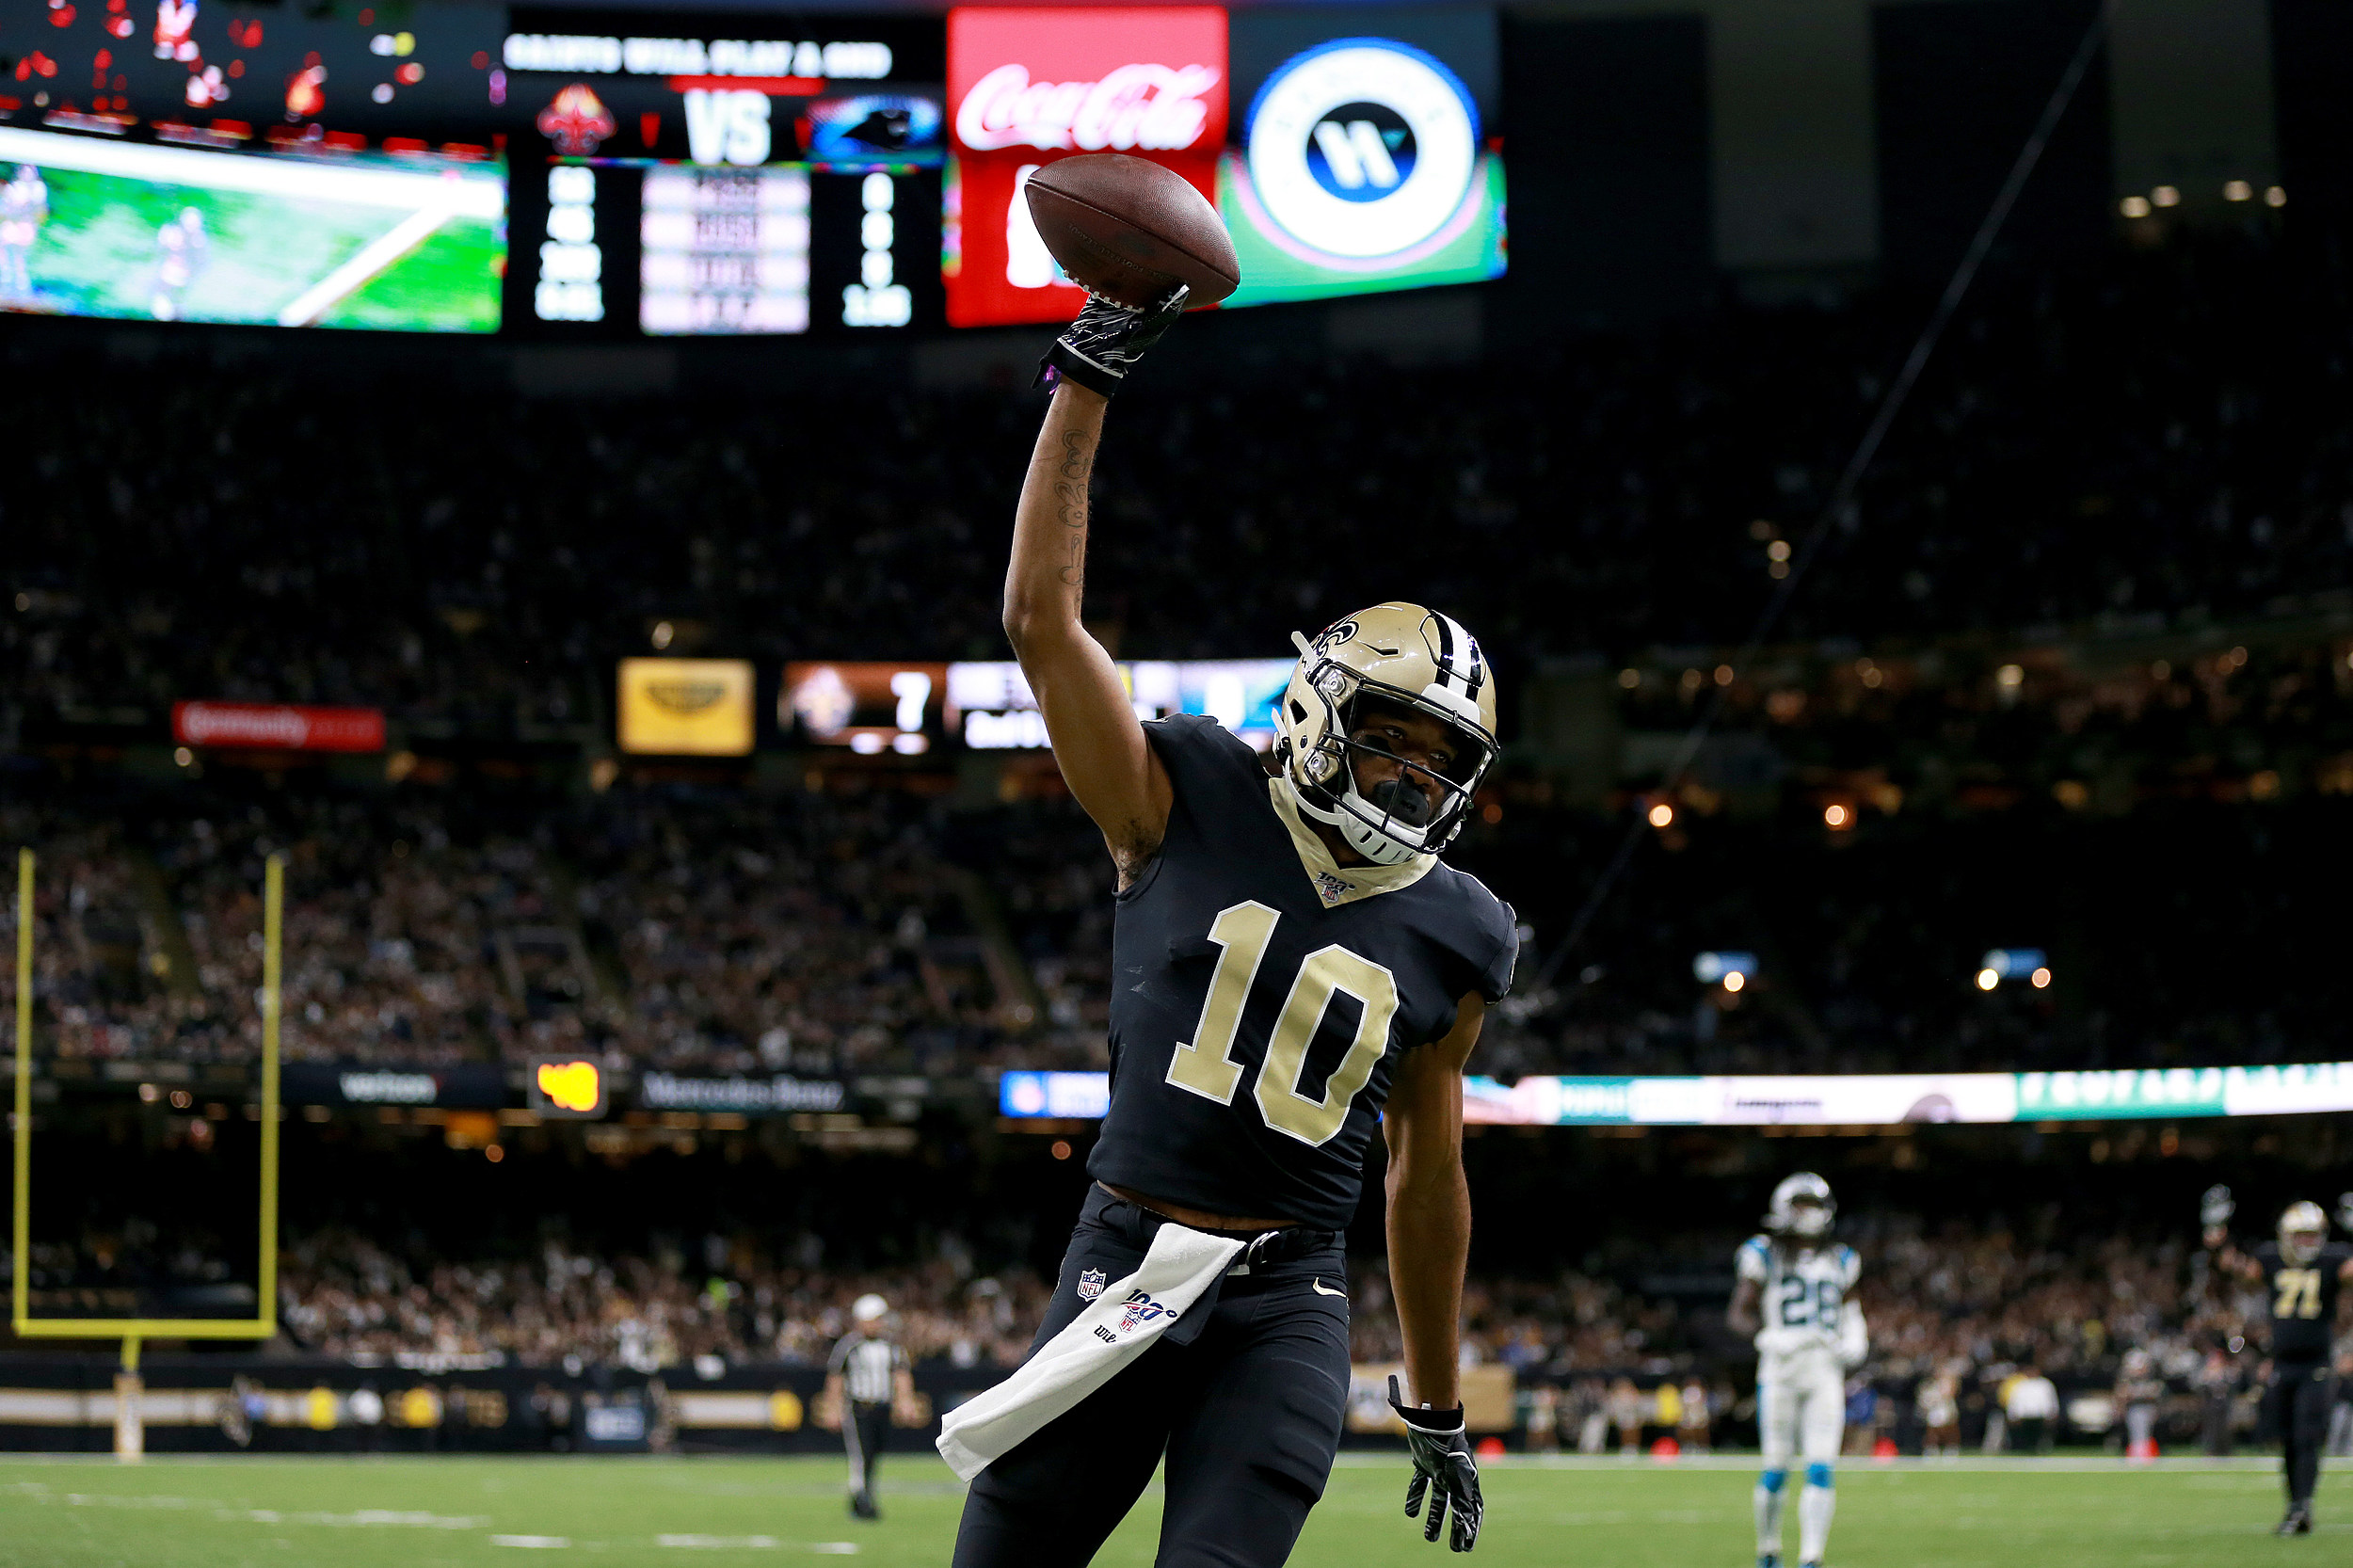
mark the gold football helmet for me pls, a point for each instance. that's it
(1414, 659)
(2303, 1229)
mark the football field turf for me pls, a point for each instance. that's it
(711, 1513)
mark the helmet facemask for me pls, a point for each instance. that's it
(2303, 1231)
(1809, 1220)
(1417, 808)
(1802, 1207)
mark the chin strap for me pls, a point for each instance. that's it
(1378, 848)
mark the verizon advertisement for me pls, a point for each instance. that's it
(277, 727)
(1028, 85)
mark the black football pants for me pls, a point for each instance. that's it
(1247, 1417)
(2298, 1398)
(865, 1428)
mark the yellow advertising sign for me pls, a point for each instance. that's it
(565, 1086)
(686, 707)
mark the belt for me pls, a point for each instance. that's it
(1259, 1246)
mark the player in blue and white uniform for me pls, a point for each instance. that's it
(1794, 1295)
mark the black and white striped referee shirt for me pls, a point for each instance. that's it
(866, 1365)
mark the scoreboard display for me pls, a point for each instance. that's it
(740, 173)
(579, 174)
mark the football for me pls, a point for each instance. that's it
(1130, 230)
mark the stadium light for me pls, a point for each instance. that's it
(1729, 970)
(1662, 815)
(2000, 964)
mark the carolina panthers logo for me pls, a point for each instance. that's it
(1335, 635)
(1090, 1284)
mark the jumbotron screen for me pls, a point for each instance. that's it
(104, 228)
(582, 173)
(730, 174)
(1348, 148)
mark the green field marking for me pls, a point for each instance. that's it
(725, 1512)
(450, 284)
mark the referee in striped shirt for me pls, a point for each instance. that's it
(865, 1376)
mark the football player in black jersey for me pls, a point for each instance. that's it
(2303, 1273)
(1292, 965)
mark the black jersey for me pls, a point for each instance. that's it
(2303, 1300)
(1258, 1006)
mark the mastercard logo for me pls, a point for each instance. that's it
(576, 1086)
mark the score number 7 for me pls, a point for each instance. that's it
(1206, 1065)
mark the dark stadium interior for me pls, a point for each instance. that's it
(2072, 673)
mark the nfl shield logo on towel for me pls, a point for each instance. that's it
(1090, 1285)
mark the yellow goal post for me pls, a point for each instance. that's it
(131, 1331)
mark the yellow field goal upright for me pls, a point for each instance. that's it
(131, 1331)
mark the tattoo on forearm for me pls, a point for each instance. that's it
(1070, 490)
(1070, 494)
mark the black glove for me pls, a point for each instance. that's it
(1442, 1456)
(1097, 349)
(2215, 1208)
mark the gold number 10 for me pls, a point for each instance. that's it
(1206, 1067)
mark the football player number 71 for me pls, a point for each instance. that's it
(2299, 1293)
(1207, 1066)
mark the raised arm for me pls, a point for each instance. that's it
(2227, 1257)
(1089, 718)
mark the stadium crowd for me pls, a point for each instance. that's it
(727, 931)
(1601, 1355)
(2076, 638)
(489, 557)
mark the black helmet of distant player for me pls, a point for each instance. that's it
(1801, 1209)
(2303, 1231)
(1410, 658)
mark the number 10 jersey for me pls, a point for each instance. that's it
(1262, 993)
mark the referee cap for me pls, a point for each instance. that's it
(869, 1307)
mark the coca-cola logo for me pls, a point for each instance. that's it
(1153, 109)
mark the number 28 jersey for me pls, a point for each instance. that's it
(1262, 994)
(1804, 1292)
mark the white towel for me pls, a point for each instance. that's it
(1178, 1269)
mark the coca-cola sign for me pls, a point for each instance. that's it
(277, 727)
(1135, 108)
(1026, 87)
(1088, 79)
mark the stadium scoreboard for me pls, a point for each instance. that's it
(585, 174)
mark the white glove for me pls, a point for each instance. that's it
(1854, 1336)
